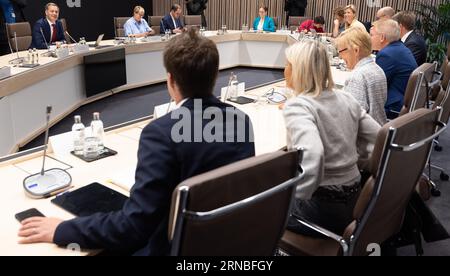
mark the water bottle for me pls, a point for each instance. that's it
(37, 55)
(233, 87)
(98, 130)
(30, 52)
(78, 136)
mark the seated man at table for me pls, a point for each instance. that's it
(137, 26)
(48, 30)
(171, 150)
(395, 59)
(313, 25)
(172, 21)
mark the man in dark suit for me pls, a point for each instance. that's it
(197, 7)
(172, 149)
(295, 8)
(395, 59)
(172, 21)
(48, 30)
(412, 40)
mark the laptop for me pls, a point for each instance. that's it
(97, 43)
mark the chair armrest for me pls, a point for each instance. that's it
(325, 232)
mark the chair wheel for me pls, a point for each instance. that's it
(438, 148)
(444, 176)
(435, 192)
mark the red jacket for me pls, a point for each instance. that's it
(309, 25)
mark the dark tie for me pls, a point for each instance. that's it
(54, 35)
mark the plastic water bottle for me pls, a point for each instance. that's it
(233, 87)
(78, 136)
(98, 130)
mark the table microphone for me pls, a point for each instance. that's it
(17, 60)
(46, 183)
(67, 33)
(48, 53)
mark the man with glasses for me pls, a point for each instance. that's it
(137, 26)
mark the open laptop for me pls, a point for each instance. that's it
(96, 45)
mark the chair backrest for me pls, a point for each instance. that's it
(443, 101)
(119, 22)
(417, 90)
(154, 22)
(193, 20)
(64, 24)
(402, 143)
(237, 210)
(445, 70)
(24, 36)
(295, 21)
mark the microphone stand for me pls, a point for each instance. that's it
(18, 59)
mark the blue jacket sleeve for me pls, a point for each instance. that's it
(271, 25)
(38, 40)
(385, 62)
(144, 212)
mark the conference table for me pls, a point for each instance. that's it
(30, 93)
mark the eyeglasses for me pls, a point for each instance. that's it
(343, 50)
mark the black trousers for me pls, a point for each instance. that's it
(328, 209)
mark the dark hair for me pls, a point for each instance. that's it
(319, 20)
(193, 62)
(407, 19)
(175, 7)
(339, 11)
(265, 8)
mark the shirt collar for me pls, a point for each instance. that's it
(405, 37)
(180, 104)
(49, 22)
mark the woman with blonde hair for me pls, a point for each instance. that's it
(367, 82)
(351, 18)
(335, 133)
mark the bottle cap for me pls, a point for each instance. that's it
(77, 119)
(96, 116)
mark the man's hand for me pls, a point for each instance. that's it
(38, 229)
(178, 31)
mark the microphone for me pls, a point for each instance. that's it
(49, 111)
(67, 33)
(17, 60)
(46, 183)
(45, 40)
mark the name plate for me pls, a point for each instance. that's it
(5, 72)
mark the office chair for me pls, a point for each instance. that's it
(193, 21)
(23, 33)
(237, 210)
(378, 215)
(119, 22)
(154, 22)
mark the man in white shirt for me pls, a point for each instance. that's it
(137, 26)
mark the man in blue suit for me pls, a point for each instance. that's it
(172, 21)
(395, 59)
(168, 154)
(48, 30)
(412, 40)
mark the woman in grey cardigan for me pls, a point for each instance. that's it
(367, 83)
(336, 134)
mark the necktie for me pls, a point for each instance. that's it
(54, 35)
